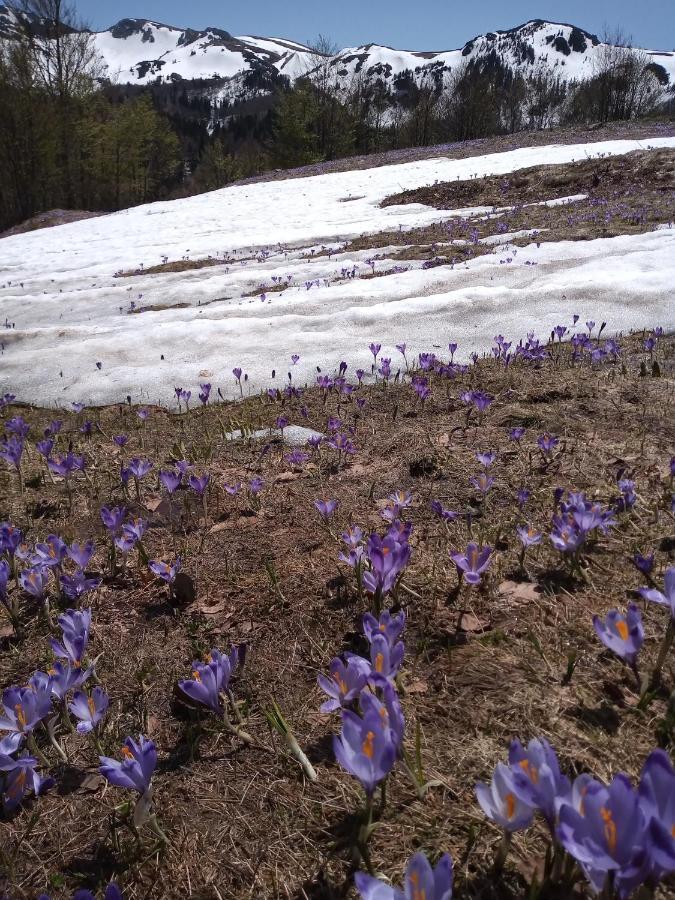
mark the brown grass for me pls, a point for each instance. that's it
(482, 665)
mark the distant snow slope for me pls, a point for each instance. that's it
(57, 285)
(140, 51)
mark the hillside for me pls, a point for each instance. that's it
(169, 293)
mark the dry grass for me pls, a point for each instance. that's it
(482, 665)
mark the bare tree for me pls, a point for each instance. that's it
(622, 85)
(63, 49)
(65, 60)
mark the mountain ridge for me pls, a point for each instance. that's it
(124, 51)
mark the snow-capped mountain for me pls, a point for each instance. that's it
(141, 51)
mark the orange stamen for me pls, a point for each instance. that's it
(622, 628)
(610, 828)
(367, 746)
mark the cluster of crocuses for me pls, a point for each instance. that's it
(66, 563)
(370, 743)
(364, 690)
(379, 562)
(30, 707)
(620, 837)
(576, 519)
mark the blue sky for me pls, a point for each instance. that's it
(418, 25)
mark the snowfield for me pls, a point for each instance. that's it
(66, 310)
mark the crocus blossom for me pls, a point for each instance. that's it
(421, 882)
(365, 748)
(501, 803)
(473, 563)
(89, 709)
(622, 633)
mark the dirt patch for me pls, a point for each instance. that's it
(618, 176)
(50, 219)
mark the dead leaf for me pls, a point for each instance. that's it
(283, 477)
(469, 623)
(417, 687)
(525, 591)
(92, 782)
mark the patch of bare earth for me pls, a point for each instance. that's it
(49, 219)
(482, 665)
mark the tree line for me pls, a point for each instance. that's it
(69, 139)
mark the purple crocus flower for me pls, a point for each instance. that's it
(125, 542)
(204, 393)
(113, 518)
(89, 709)
(607, 833)
(143, 414)
(256, 485)
(547, 443)
(11, 450)
(296, 458)
(166, 571)
(566, 535)
(516, 434)
(232, 489)
(667, 598)
(447, 515)
(375, 349)
(171, 480)
(183, 467)
(365, 748)
(35, 581)
(501, 803)
(20, 778)
(622, 634)
(75, 625)
(134, 772)
(17, 425)
(387, 705)
(120, 440)
(5, 572)
(385, 659)
(473, 562)
(77, 585)
(421, 882)
(199, 483)
(81, 554)
(139, 468)
(65, 465)
(528, 536)
(387, 625)
(486, 459)
(45, 447)
(135, 528)
(657, 801)
(537, 779)
(51, 553)
(347, 680)
(482, 482)
(644, 564)
(388, 557)
(326, 508)
(61, 678)
(25, 707)
(212, 678)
